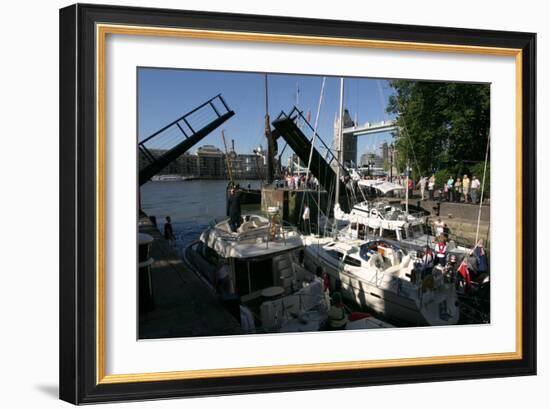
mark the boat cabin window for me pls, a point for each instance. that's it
(253, 275)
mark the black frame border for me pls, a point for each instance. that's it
(78, 197)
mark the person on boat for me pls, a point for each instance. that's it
(466, 188)
(337, 317)
(422, 183)
(323, 275)
(481, 258)
(427, 262)
(450, 269)
(306, 221)
(441, 251)
(431, 186)
(168, 231)
(235, 209)
(463, 276)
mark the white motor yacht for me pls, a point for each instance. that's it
(262, 261)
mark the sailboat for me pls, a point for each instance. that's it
(380, 275)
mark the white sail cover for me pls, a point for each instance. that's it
(380, 185)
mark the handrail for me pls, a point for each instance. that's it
(188, 114)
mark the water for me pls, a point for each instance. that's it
(193, 205)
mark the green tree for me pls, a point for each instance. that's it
(441, 124)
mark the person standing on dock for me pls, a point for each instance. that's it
(458, 189)
(235, 208)
(431, 186)
(306, 221)
(168, 231)
(450, 189)
(474, 189)
(465, 187)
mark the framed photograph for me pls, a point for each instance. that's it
(258, 203)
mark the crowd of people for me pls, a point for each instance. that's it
(457, 190)
(298, 181)
(474, 266)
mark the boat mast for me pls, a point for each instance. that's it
(227, 159)
(271, 148)
(339, 149)
(340, 146)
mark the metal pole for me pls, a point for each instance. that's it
(482, 188)
(227, 158)
(269, 137)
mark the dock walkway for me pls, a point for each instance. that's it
(184, 306)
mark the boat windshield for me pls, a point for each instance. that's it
(368, 249)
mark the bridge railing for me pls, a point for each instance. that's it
(163, 140)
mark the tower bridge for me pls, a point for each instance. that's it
(371, 128)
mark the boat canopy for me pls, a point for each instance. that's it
(380, 185)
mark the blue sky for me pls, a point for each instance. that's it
(166, 94)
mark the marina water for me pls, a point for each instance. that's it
(192, 205)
